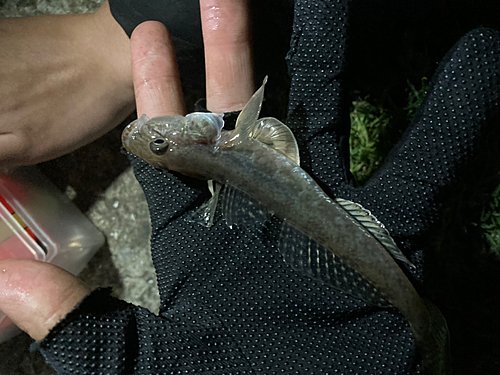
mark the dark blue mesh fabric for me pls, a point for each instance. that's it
(229, 303)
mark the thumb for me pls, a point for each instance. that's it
(37, 295)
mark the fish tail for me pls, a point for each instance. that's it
(436, 348)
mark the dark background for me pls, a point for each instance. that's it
(390, 43)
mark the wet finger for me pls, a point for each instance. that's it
(37, 295)
(157, 83)
(228, 53)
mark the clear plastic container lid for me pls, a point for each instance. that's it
(38, 222)
(16, 241)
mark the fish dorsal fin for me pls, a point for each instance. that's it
(249, 115)
(375, 227)
(269, 130)
(311, 259)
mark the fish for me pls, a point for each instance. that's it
(332, 240)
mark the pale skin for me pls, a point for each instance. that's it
(66, 80)
(37, 295)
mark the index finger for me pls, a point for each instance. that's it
(157, 84)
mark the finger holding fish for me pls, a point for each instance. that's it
(157, 84)
(228, 60)
(228, 54)
(37, 307)
(244, 161)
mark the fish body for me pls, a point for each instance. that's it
(260, 159)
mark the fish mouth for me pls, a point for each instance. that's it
(126, 134)
(130, 132)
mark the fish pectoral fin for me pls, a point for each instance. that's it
(375, 227)
(239, 208)
(205, 214)
(273, 133)
(311, 259)
(269, 130)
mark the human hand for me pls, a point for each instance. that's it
(37, 295)
(64, 84)
(228, 60)
(227, 297)
(229, 277)
(66, 80)
(317, 120)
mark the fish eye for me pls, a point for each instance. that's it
(159, 146)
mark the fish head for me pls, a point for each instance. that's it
(155, 139)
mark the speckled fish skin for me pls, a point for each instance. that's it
(285, 189)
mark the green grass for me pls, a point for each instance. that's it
(490, 222)
(369, 124)
(415, 98)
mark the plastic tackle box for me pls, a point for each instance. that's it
(38, 222)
